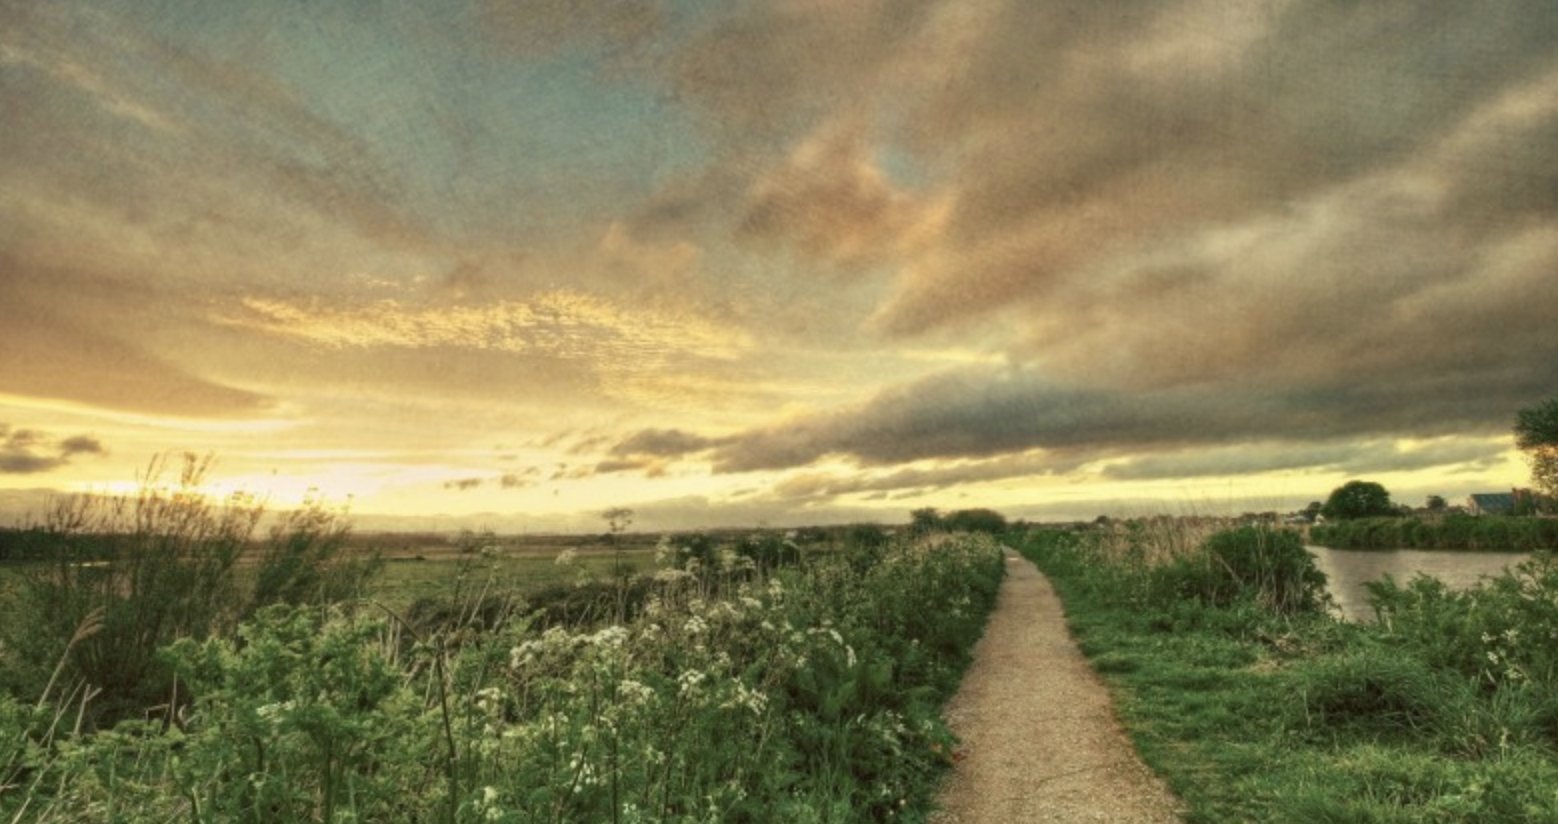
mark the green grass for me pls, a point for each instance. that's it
(405, 580)
(807, 692)
(1254, 716)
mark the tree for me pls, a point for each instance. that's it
(1536, 434)
(976, 520)
(1312, 512)
(1436, 503)
(1358, 499)
(924, 521)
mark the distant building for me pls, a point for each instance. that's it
(1491, 503)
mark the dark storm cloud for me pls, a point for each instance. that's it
(1200, 222)
(981, 413)
(27, 451)
(1351, 458)
(831, 484)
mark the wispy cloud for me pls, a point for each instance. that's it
(567, 325)
(29, 451)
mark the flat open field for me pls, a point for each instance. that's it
(407, 577)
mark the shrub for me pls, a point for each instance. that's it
(1269, 567)
(810, 696)
(143, 570)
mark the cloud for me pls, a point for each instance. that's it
(567, 325)
(29, 451)
(983, 412)
(831, 201)
(822, 485)
(519, 480)
(81, 445)
(650, 468)
(1205, 205)
(1349, 457)
(54, 354)
(666, 443)
(464, 484)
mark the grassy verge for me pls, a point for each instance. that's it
(1459, 532)
(1259, 707)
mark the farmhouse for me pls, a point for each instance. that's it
(1491, 503)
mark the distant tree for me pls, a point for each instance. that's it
(1312, 512)
(1357, 499)
(865, 535)
(976, 520)
(1436, 503)
(922, 521)
(1536, 434)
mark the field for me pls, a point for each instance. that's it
(297, 678)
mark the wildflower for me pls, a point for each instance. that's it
(690, 681)
(567, 557)
(611, 637)
(634, 692)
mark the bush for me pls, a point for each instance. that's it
(124, 576)
(1269, 567)
(812, 695)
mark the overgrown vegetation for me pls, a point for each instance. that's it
(1462, 532)
(1261, 707)
(753, 682)
(118, 578)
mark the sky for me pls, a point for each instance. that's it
(509, 263)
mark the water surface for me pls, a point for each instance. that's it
(1347, 570)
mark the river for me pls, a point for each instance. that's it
(1347, 570)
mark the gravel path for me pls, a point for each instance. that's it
(1039, 738)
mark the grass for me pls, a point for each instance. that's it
(749, 678)
(1252, 714)
(405, 580)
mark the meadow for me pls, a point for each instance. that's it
(288, 678)
(1256, 704)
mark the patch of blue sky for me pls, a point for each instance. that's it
(476, 141)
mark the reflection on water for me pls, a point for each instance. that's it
(1347, 570)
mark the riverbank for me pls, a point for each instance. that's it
(1493, 533)
(1446, 711)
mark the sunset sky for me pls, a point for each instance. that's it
(779, 262)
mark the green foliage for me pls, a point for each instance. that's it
(1536, 434)
(121, 577)
(1357, 499)
(1443, 710)
(1459, 532)
(926, 520)
(810, 694)
(977, 520)
(1537, 425)
(1266, 566)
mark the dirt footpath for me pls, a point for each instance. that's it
(1039, 737)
